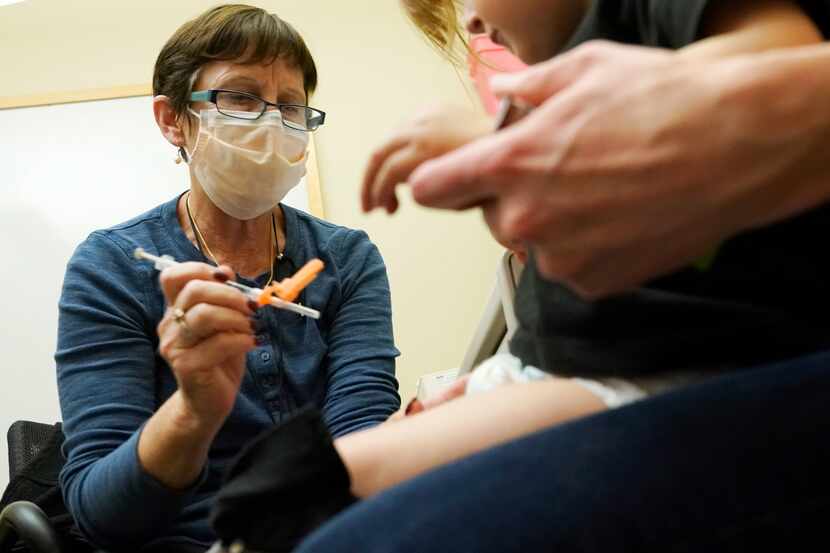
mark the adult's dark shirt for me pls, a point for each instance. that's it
(763, 297)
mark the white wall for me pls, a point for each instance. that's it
(375, 72)
(56, 186)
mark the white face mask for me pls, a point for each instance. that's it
(246, 167)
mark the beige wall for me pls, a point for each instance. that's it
(375, 71)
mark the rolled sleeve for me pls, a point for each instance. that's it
(362, 389)
(106, 367)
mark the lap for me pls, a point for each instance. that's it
(734, 463)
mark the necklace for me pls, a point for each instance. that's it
(205, 249)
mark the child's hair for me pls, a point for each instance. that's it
(440, 22)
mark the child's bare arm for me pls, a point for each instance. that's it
(746, 26)
(391, 453)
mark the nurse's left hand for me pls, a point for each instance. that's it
(432, 133)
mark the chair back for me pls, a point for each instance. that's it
(26, 440)
(498, 323)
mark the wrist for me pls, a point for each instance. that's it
(191, 421)
(174, 444)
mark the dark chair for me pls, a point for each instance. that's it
(32, 513)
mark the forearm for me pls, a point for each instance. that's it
(174, 445)
(758, 93)
(386, 455)
(103, 487)
(781, 97)
(743, 27)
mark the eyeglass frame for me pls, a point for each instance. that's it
(211, 94)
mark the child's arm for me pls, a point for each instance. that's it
(746, 26)
(386, 455)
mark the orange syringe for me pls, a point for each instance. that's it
(289, 288)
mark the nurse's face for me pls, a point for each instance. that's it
(534, 30)
(278, 82)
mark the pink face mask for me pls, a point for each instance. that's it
(490, 59)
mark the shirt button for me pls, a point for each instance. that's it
(265, 356)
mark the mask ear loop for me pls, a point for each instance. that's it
(182, 152)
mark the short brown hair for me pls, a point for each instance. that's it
(228, 32)
(440, 23)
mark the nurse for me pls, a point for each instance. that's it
(163, 380)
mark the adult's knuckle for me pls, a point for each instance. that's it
(516, 226)
(192, 290)
(167, 279)
(595, 50)
(166, 347)
(199, 315)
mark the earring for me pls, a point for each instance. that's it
(179, 157)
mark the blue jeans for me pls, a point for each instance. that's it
(738, 463)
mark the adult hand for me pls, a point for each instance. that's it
(204, 336)
(432, 133)
(635, 163)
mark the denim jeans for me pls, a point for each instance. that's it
(740, 462)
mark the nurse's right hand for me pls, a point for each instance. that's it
(204, 336)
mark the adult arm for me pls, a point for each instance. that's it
(106, 365)
(362, 390)
(643, 177)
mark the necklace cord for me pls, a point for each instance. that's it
(205, 249)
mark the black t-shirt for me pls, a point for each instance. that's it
(764, 297)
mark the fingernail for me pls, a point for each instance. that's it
(252, 305)
(220, 276)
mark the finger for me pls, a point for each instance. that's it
(394, 171)
(205, 320)
(197, 292)
(376, 161)
(213, 351)
(392, 204)
(539, 82)
(453, 181)
(455, 390)
(175, 278)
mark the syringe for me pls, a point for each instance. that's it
(256, 294)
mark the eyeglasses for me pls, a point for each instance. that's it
(242, 105)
